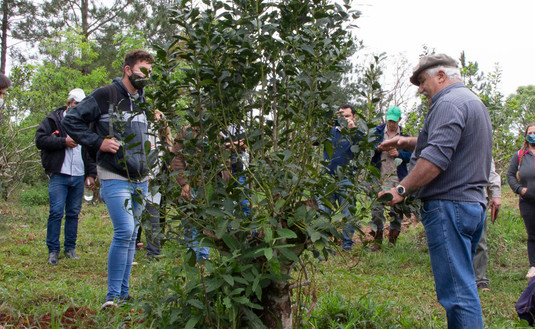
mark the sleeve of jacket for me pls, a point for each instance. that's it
(511, 174)
(77, 121)
(405, 155)
(90, 164)
(495, 182)
(45, 139)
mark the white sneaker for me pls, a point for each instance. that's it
(109, 303)
(531, 272)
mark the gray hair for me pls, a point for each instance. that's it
(452, 73)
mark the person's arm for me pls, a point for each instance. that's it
(423, 172)
(46, 137)
(495, 192)
(511, 175)
(399, 142)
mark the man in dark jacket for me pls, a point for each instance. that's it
(67, 164)
(392, 173)
(341, 157)
(120, 136)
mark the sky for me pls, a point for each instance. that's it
(488, 31)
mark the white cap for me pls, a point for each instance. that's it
(76, 95)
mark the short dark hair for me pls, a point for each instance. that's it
(347, 106)
(135, 56)
(4, 81)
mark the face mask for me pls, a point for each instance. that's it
(137, 81)
(531, 139)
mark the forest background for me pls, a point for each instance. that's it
(82, 43)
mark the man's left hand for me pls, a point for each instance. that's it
(91, 182)
(396, 197)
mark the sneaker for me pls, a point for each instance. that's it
(483, 286)
(53, 258)
(108, 304)
(71, 254)
(531, 272)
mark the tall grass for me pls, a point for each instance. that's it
(391, 288)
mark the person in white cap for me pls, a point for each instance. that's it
(69, 166)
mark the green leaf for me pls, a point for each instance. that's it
(230, 241)
(275, 266)
(385, 197)
(229, 279)
(192, 322)
(285, 233)
(289, 254)
(338, 218)
(279, 204)
(196, 303)
(315, 236)
(268, 252)
(213, 284)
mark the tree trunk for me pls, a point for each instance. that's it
(5, 27)
(277, 305)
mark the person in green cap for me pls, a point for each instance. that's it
(385, 160)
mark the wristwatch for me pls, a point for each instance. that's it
(401, 190)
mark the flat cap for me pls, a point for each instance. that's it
(430, 61)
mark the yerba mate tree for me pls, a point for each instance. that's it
(257, 74)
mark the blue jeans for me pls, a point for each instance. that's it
(338, 198)
(121, 198)
(65, 196)
(453, 230)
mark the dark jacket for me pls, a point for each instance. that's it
(129, 127)
(341, 148)
(526, 173)
(50, 139)
(404, 155)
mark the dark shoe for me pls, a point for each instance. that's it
(483, 286)
(71, 254)
(377, 240)
(393, 236)
(125, 300)
(53, 258)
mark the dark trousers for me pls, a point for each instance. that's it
(527, 211)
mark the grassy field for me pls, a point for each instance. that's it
(392, 288)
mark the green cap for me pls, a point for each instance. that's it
(393, 113)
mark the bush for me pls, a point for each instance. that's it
(36, 195)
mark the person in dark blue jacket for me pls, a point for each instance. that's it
(341, 156)
(392, 172)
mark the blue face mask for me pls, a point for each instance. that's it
(530, 139)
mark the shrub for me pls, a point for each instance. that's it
(36, 195)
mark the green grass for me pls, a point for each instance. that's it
(392, 288)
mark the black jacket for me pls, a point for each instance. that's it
(128, 125)
(50, 139)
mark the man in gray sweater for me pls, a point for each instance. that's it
(452, 154)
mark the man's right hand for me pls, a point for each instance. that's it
(70, 143)
(398, 142)
(109, 145)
